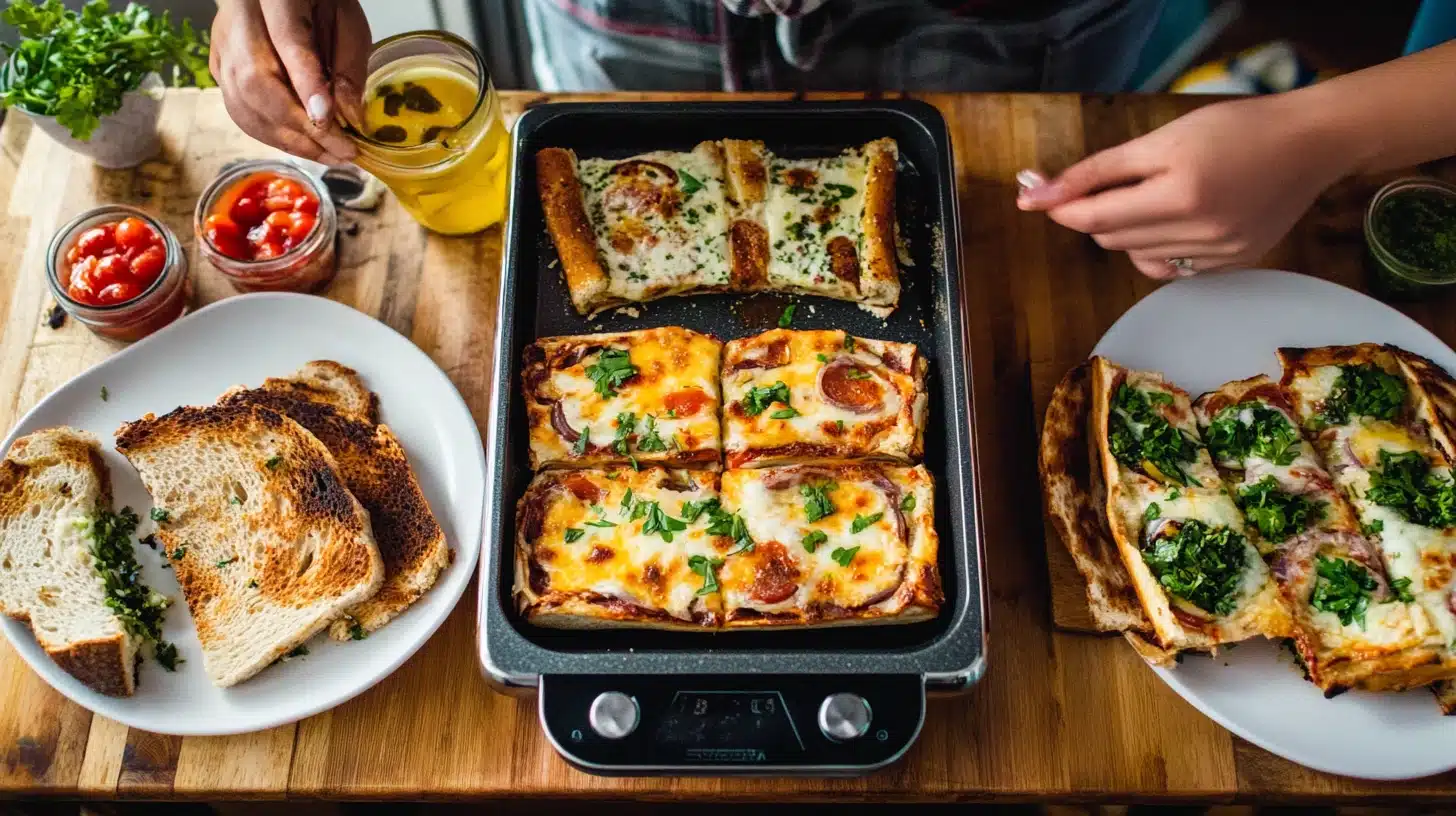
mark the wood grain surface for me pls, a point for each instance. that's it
(1059, 715)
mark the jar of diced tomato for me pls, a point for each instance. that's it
(118, 271)
(268, 225)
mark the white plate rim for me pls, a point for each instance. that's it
(1171, 676)
(472, 534)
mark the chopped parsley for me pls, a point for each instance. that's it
(1362, 390)
(843, 556)
(908, 503)
(160, 515)
(626, 424)
(758, 399)
(234, 500)
(839, 423)
(837, 192)
(785, 413)
(573, 534)
(1342, 588)
(273, 462)
(179, 552)
(650, 441)
(708, 568)
(226, 561)
(1406, 484)
(1141, 439)
(816, 500)
(1267, 435)
(813, 539)
(579, 449)
(858, 374)
(1152, 513)
(1201, 564)
(659, 522)
(139, 608)
(105, 395)
(787, 318)
(298, 651)
(603, 523)
(627, 501)
(692, 509)
(861, 523)
(690, 183)
(722, 523)
(252, 583)
(1277, 514)
(1401, 588)
(612, 369)
(356, 632)
(1373, 528)
(822, 358)
(849, 342)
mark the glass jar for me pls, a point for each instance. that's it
(450, 177)
(1392, 275)
(159, 304)
(307, 267)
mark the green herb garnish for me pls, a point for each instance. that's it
(858, 374)
(298, 651)
(626, 424)
(1277, 514)
(722, 523)
(579, 448)
(813, 539)
(816, 500)
(758, 399)
(843, 556)
(787, 318)
(603, 523)
(908, 503)
(1373, 528)
(1267, 434)
(1152, 513)
(1201, 564)
(612, 369)
(160, 515)
(1363, 390)
(179, 552)
(784, 413)
(226, 561)
(139, 608)
(1401, 588)
(1343, 588)
(1406, 483)
(690, 183)
(708, 568)
(1141, 439)
(650, 441)
(356, 632)
(863, 522)
(573, 534)
(273, 462)
(692, 509)
(658, 521)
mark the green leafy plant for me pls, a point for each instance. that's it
(77, 66)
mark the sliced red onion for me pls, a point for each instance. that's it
(558, 421)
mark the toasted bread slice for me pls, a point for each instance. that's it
(268, 544)
(332, 384)
(376, 471)
(52, 486)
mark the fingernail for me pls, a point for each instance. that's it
(1030, 179)
(318, 108)
(1038, 195)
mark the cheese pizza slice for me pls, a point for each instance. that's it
(648, 396)
(796, 396)
(831, 545)
(831, 226)
(1353, 626)
(1385, 441)
(611, 548)
(636, 229)
(1199, 578)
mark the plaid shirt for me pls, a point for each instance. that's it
(1053, 45)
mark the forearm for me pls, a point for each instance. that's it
(1392, 115)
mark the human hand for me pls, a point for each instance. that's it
(1218, 187)
(285, 66)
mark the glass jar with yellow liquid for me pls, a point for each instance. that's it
(433, 132)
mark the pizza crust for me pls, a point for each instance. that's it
(564, 207)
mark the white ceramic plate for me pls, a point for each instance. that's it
(243, 340)
(1206, 331)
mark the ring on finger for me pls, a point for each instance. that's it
(1182, 266)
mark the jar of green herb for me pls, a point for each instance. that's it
(1410, 230)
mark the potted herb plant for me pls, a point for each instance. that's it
(92, 79)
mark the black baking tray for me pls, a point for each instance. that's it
(534, 303)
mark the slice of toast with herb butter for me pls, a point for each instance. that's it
(67, 564)
(267, 543)
(331, 402)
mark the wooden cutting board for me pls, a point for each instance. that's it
(1059, 715)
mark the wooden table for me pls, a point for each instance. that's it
(1059, 715)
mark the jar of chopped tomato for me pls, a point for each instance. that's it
(268, 226)
(118, 271)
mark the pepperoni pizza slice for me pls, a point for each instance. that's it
(827, 396)
(636, 229)
(619, 547)
(648, 396)
(830, 545)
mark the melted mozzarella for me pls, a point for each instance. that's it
(681, 253)
(802, 220)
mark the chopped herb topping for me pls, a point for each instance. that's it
(813, 539)
(787, 318)
(1343, 588)
(822, 358)
(612, 369)
(908, 503)
(692, 509)
(105, 395)
(356, 632)
(1406, 483)
(690, 183)
(843, 556)
(1201, 564)
(226, 561)
(816, 500)
(626, 424)
(1362, 390)
(1373, 528)
(139, 608)
(1401, 588)
(252, 583)
(179, 552)
(234, 500)
(273, 462)
(861, 522)
(708, 568)
(298, 651)
(837, 192)
(723, 523)
(160, 515)
(1141, 439)
(784, 413)
(166, 654)
(758, 399)
(573, 534)
(650, 441)
(1277, 514)
(858, 374)
(839, 423)
(1252, 429)
(660, 522)
(1152, 513)
(579, 449)
(849, 342)
(603, 523)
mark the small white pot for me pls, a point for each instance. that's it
(125, 138)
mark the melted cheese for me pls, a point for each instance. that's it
(642, 247)
(621, 561)
(875, 571)
(810, 203)
(889, 430)
(671, 363)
